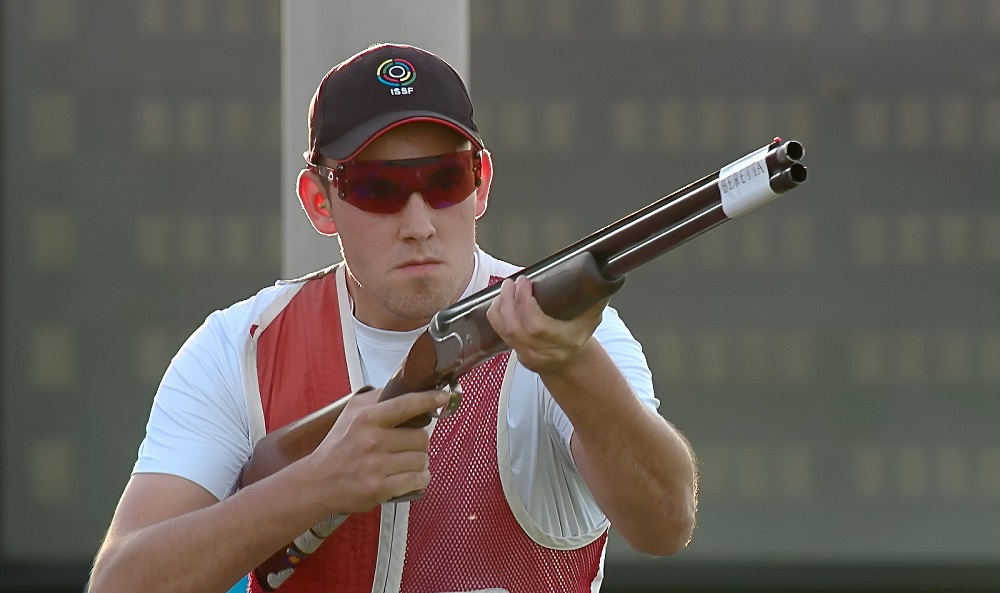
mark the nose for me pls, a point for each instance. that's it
(415, 219)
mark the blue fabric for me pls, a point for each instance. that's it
(241, 587)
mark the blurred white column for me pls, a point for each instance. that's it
(317, 35)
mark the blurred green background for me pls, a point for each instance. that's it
(834, 357)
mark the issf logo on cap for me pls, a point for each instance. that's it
(398, 74)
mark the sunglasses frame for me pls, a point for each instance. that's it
(335, 175)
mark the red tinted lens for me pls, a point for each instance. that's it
(383, 187)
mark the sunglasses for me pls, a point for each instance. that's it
(384, 187)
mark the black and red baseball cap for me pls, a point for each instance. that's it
(380, 88)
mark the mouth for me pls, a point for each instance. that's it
(416, 265)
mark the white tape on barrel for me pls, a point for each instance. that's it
(745, 184)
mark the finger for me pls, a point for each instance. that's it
(406, 462)
(404, 483)
(506, 296)
(529, 321)
(364, 397)
(499, 312)
(523, 284)
(406, 439)
(510, 307)
(395, 411)
(527, 309)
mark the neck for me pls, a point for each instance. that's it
(369, 312)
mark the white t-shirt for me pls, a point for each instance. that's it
(199, 425)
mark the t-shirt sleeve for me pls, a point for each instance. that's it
(549, 484)
(627, 353)
(198, 427)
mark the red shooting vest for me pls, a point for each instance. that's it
(462, 535)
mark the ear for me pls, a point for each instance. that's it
(483, 191)
(313, 196)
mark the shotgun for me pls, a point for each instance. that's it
(565, 284)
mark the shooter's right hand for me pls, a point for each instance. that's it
(365, 459)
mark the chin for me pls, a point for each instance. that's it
(418, 304)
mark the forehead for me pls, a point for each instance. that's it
(414, 140)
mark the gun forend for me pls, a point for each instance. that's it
(563, 287)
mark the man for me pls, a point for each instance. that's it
(553, 441)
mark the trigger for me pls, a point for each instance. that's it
(454, 402)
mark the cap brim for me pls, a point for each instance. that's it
(350, 144)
